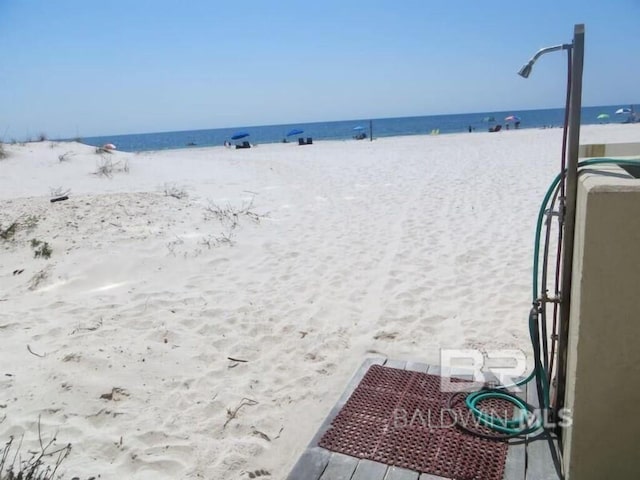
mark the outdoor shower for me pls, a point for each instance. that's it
(561, 299)
(549, 348)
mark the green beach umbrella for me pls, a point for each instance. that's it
(602, 116)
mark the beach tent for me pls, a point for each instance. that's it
(632, 117)
(360, 134)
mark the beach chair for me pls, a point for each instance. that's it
(301, 141)
(244, 144)
(497, 128)
(309, 141)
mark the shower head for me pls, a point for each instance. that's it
(525, 71)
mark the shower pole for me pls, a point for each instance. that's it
(573, 144)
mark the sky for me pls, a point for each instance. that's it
(74, 68)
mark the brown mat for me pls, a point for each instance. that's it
(401, 418)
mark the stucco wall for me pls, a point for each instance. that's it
(603, 364)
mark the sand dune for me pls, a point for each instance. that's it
(339, 251)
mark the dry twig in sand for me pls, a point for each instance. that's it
(172, 190)
(59, 192)
(92, 328)
(106, 167)
(229, 215)
(231, 414)
(237, 360)
(34, 353)
(215, 241)
(34, 467)
(65, 156)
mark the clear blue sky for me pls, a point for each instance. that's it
(85, 67)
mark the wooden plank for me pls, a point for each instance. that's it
(428, 476)
(353, 383)
(463, 373)
(355, 380)
(397, 473)
(542, 458)
(310, 465)
(490, 379)
(417, 367)
(369, 470)
(516, 462)
(541, 449)
(399, 364)
(438, 370)
(340, 467)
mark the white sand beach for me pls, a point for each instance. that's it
(342, 250)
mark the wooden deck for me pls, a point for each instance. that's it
(534, 459)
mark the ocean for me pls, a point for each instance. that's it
(347, 129)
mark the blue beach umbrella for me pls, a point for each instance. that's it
(239, 135)
(359, 127)
(295, 131)
(622, 111)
